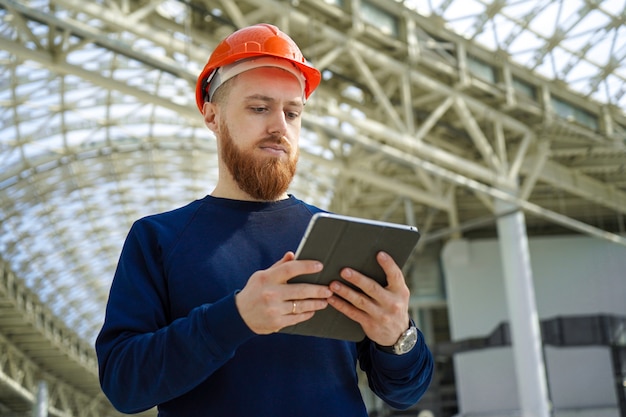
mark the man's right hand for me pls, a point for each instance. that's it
(268, 302)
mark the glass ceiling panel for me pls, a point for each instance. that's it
(580, 42)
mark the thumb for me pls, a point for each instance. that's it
(288, 256)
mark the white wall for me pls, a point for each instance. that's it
(572, 276)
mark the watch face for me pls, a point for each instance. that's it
(407, 341)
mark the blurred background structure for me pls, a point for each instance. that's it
(483, 122)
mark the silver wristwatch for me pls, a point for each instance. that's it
(405, 342)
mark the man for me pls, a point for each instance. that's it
(200, 292)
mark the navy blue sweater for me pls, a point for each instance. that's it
(173, 337)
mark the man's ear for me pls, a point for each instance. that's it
(209, 111)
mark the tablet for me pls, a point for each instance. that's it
(343, 241)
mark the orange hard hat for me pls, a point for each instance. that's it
(255, 41)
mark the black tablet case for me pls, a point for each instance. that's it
(342, 241)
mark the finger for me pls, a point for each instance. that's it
(367, 285)
(287, 268)
(288, 256)
(292, 319)
(304, 310)
(297, 307)
(364, 300)
(301, 291)
(395, 277)
(349, 310)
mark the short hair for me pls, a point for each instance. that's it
(220, 96)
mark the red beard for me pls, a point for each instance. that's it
(265, 178)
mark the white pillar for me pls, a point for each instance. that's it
(523, 318)
(41, 407)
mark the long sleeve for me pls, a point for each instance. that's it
(173, 337)
(145, 357)
(399, 380)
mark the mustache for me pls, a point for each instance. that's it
(280, 140)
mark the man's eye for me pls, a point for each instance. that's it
(292, 115)
(258, 109)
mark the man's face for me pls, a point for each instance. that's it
(258, 131)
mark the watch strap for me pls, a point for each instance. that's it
(386, 349)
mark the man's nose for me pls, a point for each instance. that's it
(278, 124)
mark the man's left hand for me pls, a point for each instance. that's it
(383, 312)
